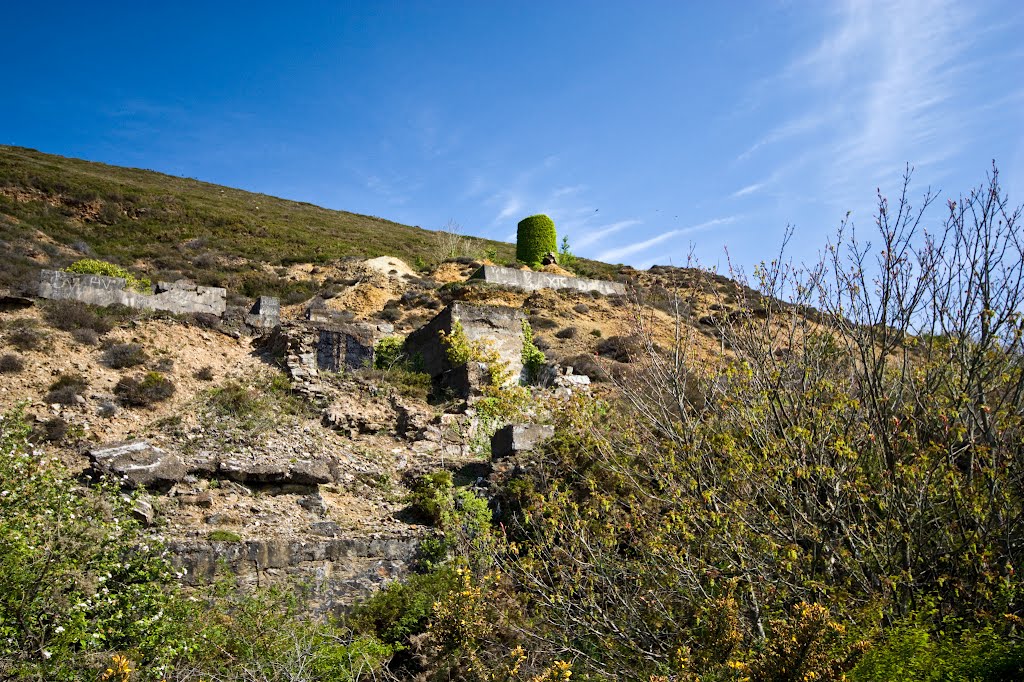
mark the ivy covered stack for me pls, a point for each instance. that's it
(535, 238)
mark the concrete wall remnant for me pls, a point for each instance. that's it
(528, 280)
(265, 313)
(500, 327)
(175, 297)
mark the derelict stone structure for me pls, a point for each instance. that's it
(176, 297)
(342, 348)
(499, 327)
(528, 280)
(265, 313)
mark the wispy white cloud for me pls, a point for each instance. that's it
(790, 129)
(509, 209)
(566, 191)
(604, 231)
(616, 254)
(386, 189)
(749, 189)
(886, 82)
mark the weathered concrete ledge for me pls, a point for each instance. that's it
(529, 280)
(174, 297)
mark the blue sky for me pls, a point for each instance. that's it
(644, 129)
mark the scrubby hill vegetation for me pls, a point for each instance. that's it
(54, 209)
(813, 475)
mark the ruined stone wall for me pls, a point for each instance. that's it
(175, 297)
(499, 327)
(529, 280)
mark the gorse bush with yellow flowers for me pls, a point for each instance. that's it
(831, 481)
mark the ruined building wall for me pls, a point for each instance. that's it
(175, 297)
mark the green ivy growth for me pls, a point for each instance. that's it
(460, 350)
(533, 357)
(534, 238)
(389, 352)
(566, 258)
(91, 266)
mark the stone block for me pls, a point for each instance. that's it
(515, 438)
(265, 313)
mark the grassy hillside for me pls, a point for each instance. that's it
(171, 226)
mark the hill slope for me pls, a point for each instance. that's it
(53, 209)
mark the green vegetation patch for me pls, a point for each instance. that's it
(535, 237)
(91, 266)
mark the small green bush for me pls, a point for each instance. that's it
(223, 536)
(91, 266)
(534, 238)
(403, 609)
(533, 357)
(566, 258)
(152, 388)
(233, 398)
(388, 352)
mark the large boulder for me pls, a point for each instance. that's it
(139, 464)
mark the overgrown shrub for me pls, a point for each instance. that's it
(11, 363)
(567, 333)
(151, 388)
(85, 594)
(124, 355)
(535, 237)
(765, 515)
(91, 266)
(403, 608)
(204, 373)
(77, 578)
